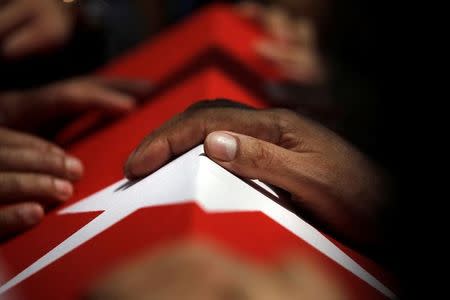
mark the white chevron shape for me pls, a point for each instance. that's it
(191, 176)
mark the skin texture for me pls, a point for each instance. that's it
(195, 270)
(324, 175)
(34, 175)
(43, 105)
(28, 27)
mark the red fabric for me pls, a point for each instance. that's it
(103, 154)
(251, 235)
(216, 27)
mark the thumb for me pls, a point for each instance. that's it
(300, 173)
(253, 158)
(305, 175)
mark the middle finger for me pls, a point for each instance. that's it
(32, 160)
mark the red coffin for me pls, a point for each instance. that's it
(104, 152)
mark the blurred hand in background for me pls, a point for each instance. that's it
(34, 174)
(32, 26)
(325, 176)
(196, 271)
(32, 108)
(292, 46)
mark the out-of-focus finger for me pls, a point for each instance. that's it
(12, 15)
(75, 97)
(275, 52)
(15, 186)
(35, 161)
(251, 10)
(19, 217)
(134, 87)
(10, 138)
(279, 25)
(190, 129)
(33, 38)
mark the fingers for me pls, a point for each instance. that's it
(274, 20)
(68, 98)
(195, 272)
(105, 99)
(15, 186)
(32, 38)
(305, 175)
(31, 169)
(136, 88)
(16, 139)
(191, 128)
(253, 158)
(251, 10)
(77, 96)
(28, 27)
(298, 173)
(297, 63)
(11, 16)
(111, 95)
(19, 217)
(35, 161)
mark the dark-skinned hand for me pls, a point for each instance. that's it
(325, 176)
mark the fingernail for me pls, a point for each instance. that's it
(64, 188)
(221, 146)
(30, 214)
(74, 167)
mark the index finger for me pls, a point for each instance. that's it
(137, 88)
(189, 129)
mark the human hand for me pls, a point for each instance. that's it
(25, 110)
(34, 174)
(324, 175)
(292, 43)
(202, 272)
(31, 26)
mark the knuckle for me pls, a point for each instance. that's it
(27, 184)
(55, 163)
(284, 117)
(287, 123)
(42, 184)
